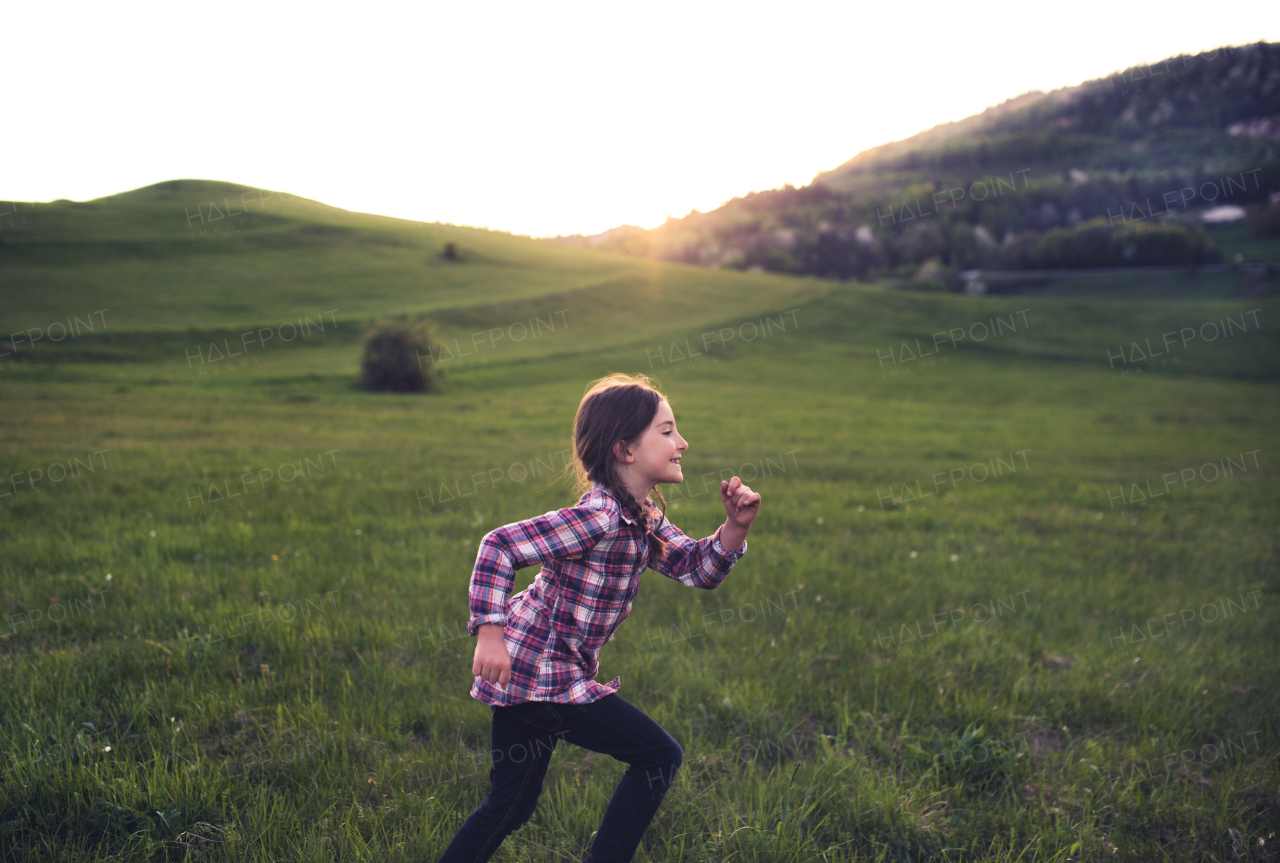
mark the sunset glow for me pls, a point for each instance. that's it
(532, 119)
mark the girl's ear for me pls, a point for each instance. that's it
(622, 453)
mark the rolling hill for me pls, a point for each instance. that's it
(186, 259)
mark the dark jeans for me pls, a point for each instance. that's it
(525, 735)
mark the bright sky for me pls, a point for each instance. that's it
(535, 118)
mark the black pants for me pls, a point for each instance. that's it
(525, 735)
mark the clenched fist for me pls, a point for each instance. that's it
(492, 662)
(741, 505)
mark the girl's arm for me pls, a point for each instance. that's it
(706, 563)
(558, 534)
(697, 563)
(561, 533)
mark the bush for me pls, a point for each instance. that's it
(1091, 244)
(778, 261)
(398, 358)
(1097, 244)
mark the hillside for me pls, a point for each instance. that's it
(188, 258)
(1151, 146)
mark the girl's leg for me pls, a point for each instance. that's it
(615, 727)
(521, 753)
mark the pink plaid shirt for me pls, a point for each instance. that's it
(592, 556)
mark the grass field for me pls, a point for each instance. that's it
(1014, 600)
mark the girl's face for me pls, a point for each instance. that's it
(656, 453)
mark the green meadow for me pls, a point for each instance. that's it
(1011, 595)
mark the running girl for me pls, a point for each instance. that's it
(536, 652)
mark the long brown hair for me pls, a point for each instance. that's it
(616, 408)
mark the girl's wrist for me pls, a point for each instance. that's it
(732, 535)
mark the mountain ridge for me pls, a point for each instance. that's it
(1092, 151)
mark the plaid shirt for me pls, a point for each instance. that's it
(592, 556)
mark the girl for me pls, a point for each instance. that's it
(535, 661)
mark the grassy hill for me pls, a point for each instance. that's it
(173, 254)
(137, 257)
(925, 653)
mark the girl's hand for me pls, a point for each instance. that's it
(492, 662)
(741, 504)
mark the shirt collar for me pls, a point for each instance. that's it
(601, 488)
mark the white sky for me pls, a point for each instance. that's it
(533, 118)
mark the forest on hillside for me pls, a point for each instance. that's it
(1118, 171)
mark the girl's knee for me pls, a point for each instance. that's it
(510, 806)
(666, 753)
(662, 763)
(505, 813)
(674, 755)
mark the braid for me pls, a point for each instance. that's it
(633, 508)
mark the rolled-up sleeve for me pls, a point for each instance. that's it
(702, 563)
(559, 534)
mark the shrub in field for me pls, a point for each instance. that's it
(1097, 243)
(397, 358)
(1091, 244)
